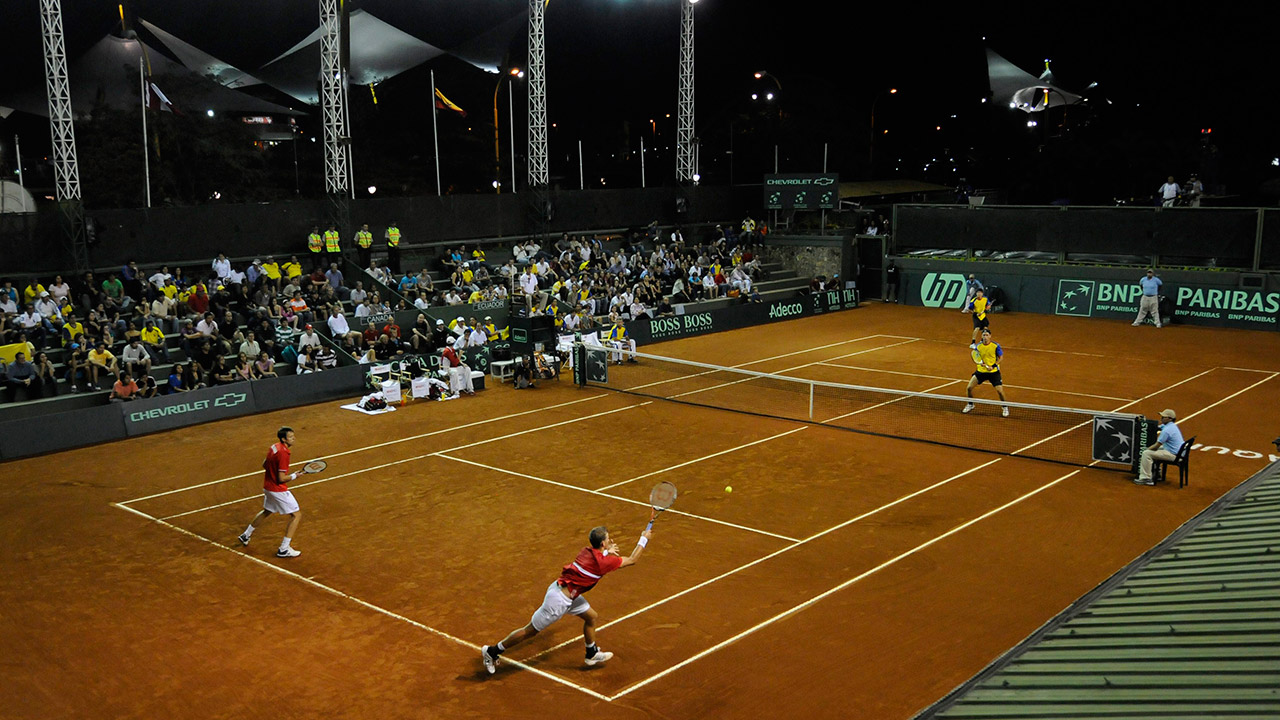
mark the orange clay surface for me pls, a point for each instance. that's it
(845, 576)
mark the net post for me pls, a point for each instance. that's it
(1140, 442)
(580, 363)
(810, 401)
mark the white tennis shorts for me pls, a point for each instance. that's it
(281, 503)
(555, 605)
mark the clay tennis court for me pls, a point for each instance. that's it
(846, 575)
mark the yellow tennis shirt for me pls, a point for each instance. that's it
(980, 307)
(990, 354)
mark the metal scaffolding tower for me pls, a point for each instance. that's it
(686, 163)
(538, 176)
(65, 167)
(333, 104)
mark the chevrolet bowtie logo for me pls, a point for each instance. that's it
(231, 399)
(823, 181)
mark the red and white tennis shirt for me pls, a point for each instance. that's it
(277, 462)
(586, 570)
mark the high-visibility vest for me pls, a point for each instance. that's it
(364, 238)
(331, 241)
(393, 236)
(314, 243)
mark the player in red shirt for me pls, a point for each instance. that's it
(565, 595)
(276, 497)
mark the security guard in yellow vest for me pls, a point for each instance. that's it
(332, 253)
(315, 246)
(364, 241)
(393, 247)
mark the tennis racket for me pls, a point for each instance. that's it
(977, 358)
(314, 466)
(661, 497)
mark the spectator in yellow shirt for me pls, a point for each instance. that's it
(101, 362)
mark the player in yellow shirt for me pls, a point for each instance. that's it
(978, 306)
(987, 356)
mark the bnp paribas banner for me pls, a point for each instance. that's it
(1233, 307)
(1083, 297)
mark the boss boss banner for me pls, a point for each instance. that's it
(740, 316)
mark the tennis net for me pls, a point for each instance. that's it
(1057, 434)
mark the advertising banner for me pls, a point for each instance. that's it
(1077, 295)
(1233, 307)
(801, 191)
(740, 316)
(182, 409)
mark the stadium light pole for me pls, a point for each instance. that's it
(685, 109)
(871, 145)
(510, 74)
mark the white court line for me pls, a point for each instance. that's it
(771, 555)
(942, 377)
(1238, 392)
(411, 459)
(887, 402)
(1252, 370)
(372, 447)
(704, 457)
(364, 603)
(838, 588)
(778, 372)
(907, 497)
(753, 362)
(472, 424)
(616, 497)
(1132, 402)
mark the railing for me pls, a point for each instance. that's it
(1216, 238)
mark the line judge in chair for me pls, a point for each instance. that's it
(1165, 448)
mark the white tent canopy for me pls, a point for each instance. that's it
(197, 60)
(107, 74)
(378, 51)
(1021, 90)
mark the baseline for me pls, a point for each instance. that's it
(358, 601)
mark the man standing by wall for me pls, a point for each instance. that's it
(332, 248)
(393, 247)
(1169, 192)
(891, 283)
(315, 246)
(1150, 303)
(364, 241)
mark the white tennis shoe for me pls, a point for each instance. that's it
(1004, 411)
(244, 539)
(490, 663)
(968, 407)
(288, 553)
(601, 657)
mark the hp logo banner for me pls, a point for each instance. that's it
(945, 290)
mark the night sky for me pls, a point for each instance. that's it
(1170, 72)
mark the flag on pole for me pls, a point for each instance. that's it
(158, 101)
(443, 103)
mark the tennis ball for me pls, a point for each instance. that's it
(728, 488)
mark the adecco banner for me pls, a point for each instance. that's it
(740, 316)
(1251, 309)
